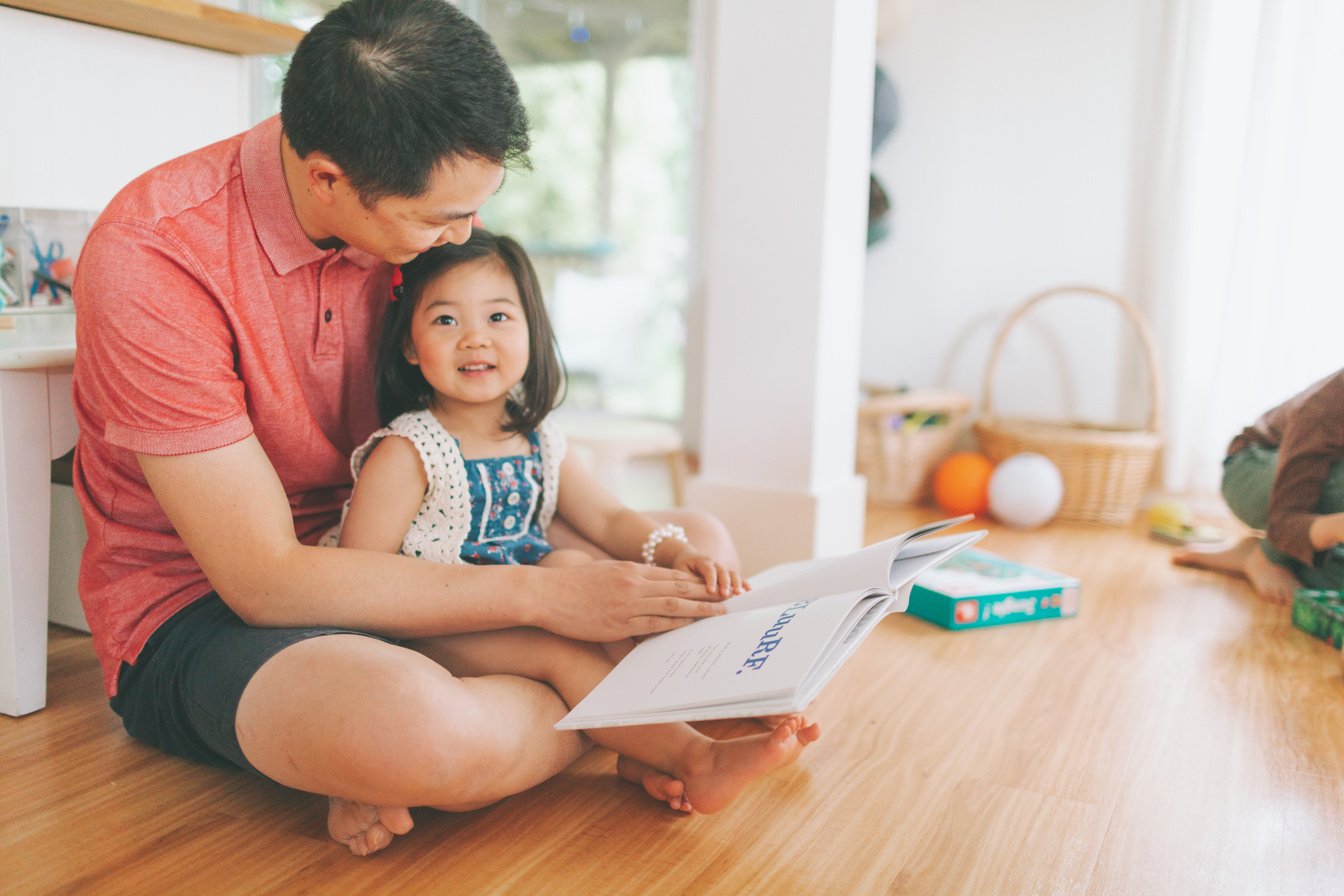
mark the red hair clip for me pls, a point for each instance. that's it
(396, 283)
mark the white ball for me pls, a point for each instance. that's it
(1025, 490)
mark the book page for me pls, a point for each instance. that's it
(722, 661)
(884, 566)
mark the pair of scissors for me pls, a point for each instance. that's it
(55, 252)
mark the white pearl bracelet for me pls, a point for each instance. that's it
(657, 537)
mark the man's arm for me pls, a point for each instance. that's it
(230, 508)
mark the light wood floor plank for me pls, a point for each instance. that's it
(1177, 737)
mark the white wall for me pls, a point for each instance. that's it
(1021, 136)
(87, 108)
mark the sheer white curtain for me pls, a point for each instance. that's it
(1241, 255)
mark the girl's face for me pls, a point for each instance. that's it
(468, 334)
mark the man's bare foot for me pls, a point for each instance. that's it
(722, 769)
(1271, 582)
(363, 828)
(661, 786)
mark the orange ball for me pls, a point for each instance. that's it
(961, 483)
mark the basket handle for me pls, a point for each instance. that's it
(1130, 312)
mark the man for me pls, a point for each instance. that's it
(228, 306)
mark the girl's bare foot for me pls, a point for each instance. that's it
(661, 786)
(363, 828)
(772, 722)
(720, 770)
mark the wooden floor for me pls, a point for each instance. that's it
(1177, 737)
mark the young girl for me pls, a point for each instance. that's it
(469, 470)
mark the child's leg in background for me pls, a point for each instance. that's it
(1328, 573)
(1248, 478)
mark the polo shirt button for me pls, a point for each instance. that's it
(327, 317)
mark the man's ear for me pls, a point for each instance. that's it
(323, 175)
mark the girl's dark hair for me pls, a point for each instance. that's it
(399, 384)
(389, 89)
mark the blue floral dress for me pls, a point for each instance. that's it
(505, 492)
(493, 510)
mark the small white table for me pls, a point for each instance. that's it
(37, 424)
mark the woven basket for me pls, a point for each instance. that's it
(1106, 469)
(897, 454)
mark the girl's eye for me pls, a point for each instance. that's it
(445, 320)
(499, 317)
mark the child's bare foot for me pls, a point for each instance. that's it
(363, 828)
(1230, 560)
(1271, 582)
(722, 769)
(661, 786)
(773, 722)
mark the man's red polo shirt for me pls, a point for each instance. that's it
(205, 315)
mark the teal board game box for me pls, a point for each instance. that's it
(1320, 614)
(975, 588)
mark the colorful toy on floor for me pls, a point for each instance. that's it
(1172, 521)
(1320, 614)
(1025, 490)
(975, 588)
(961, 483)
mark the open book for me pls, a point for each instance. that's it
(777, 645)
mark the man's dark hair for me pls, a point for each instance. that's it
(389, 89)
(400, 386)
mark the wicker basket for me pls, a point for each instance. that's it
(901, 437)
(1105, 469)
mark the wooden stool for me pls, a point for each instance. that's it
(613, 441)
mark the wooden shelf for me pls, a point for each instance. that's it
(182, 21)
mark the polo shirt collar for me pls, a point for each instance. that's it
(277, 226)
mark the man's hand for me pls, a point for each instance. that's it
(613, 599)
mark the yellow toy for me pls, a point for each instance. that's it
(1172, 521)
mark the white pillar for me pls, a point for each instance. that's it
(782, 223)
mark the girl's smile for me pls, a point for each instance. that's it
(469, 335)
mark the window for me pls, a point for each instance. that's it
(604, 211)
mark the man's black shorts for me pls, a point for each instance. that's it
(182, 693)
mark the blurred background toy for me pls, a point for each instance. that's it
(45, 276)
(8, 295)
(1025, 490)
(1172, 521)
(961, 483)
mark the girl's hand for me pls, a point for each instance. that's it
(717, 577)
